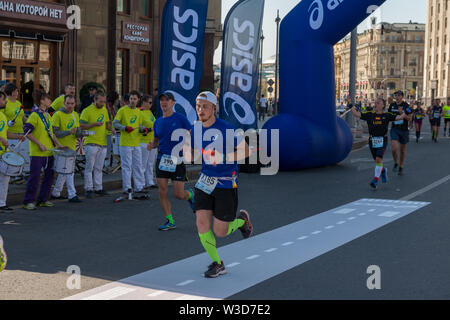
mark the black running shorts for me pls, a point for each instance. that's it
(180, 173)
(222, 202)
(436, 122)
(378, 152)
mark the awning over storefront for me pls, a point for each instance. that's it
(30, 35)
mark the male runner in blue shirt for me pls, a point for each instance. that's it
(168, 165)
(216, 193)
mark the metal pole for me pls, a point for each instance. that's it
(262, 68)
(352, 89)
(275, 106)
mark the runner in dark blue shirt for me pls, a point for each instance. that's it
(170, 165)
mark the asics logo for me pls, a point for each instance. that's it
(70, 124)
(317, 12)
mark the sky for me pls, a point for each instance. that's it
(391, 11)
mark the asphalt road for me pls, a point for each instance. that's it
(111, 241)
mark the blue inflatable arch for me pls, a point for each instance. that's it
(311, 135)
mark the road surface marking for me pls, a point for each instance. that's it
(316, 232)
(156, 294)
(287, 244)
(271, 250)
(231, 265)
(426, 189)
(185, 283)
(345, 211)
(352, 218)
(302, 238)
(110, 294)
(389, 214)
(252, 271)
(329, 227)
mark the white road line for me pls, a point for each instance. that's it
(185, 283)
(316, 232)
(287, 244)
(341, 222)
(362, 214)
(232, 265)
(302, 238)
(111, 294)
(344, 211)
(271, 250)
(389, 214)
(156, 294)
(329, 227)
(426, 189)
(352, 218)
(267, 265)
(192, 298)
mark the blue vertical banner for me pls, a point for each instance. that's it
(181, 56)
(240, 64)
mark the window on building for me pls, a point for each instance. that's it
(122, 71)
(123, 6)
(145, 9)
(392, 85)
(392, 72)
(144, 72)
(392, 60)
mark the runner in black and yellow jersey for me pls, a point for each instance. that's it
(419, 115)
(378, 122)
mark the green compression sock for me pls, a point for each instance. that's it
(209, 243)
(170, 218)
(189, 197)
(235, 225)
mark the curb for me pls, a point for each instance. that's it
(16, 199)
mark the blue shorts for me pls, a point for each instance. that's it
(401, 136)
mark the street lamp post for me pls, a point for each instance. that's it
(277, 21)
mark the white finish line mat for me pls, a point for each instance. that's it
(252, 261)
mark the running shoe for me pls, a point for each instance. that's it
(102, 193)
(89, 194)
(75, 200)
(3, 258)
(247, 228)
(384, 176)
(400, 171)
(396, 167)
(374, 184)
(167, 226)
(46, 204)
(215, 270)
(6, 209)
(30, 207)
(191, 201)
(58, 198)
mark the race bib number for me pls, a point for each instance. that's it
(377, 142)
(399, 122)
(168, 163)
(207, 184)
(437, 115)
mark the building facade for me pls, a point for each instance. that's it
(117, 45)
(437, 51)
(390, 57)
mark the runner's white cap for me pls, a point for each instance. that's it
(208, 96)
